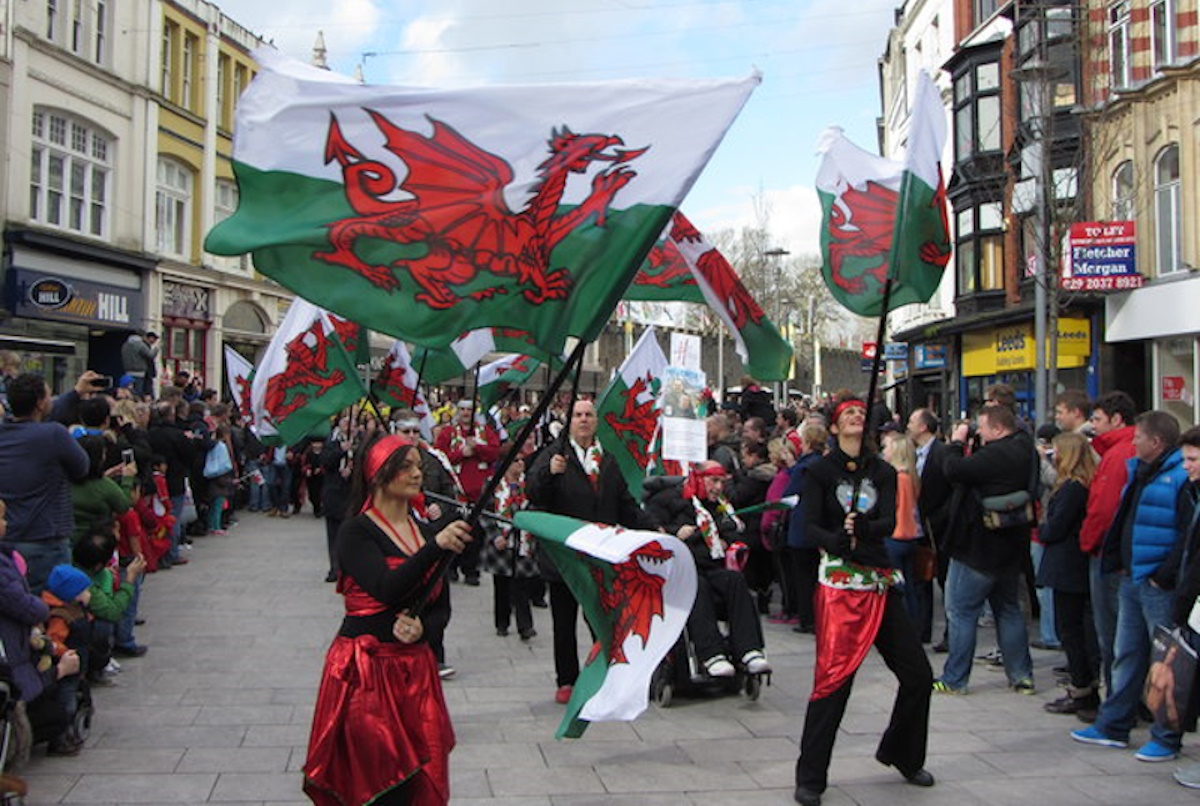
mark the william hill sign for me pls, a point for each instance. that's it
(36, 295)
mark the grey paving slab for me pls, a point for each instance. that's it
(220, 714)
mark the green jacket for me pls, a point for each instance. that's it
(104, 603)
(96, 499)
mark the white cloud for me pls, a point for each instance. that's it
(795, 216)
(348, 25)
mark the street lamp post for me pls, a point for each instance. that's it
(778, 254)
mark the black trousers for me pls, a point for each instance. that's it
(903, 743)
(332, 525)
(1077, 631)
(804, 562)
(564, 615)
(510, 596)
(721, 591)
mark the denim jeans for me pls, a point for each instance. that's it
(1045, 597)
(1105, 590)
(124, 632)
(177, 530)
(1141, 608)
(966, 592)
(279, 483)
(258, 492)
(900, 554)
(40, 558)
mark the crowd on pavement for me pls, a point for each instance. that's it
(1077, 537)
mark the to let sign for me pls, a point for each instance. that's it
(1102, 257)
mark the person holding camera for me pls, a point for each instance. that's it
(988, 540)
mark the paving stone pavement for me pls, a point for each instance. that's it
(219, 711)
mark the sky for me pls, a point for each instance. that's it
(817, 58)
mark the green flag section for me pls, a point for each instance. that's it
(437, 365)
(397, 386)
(628, 413)
(239, 372)
(665, 276)
(306, 376)
(496, 378)
(428, 213)
(885, 217)
(767, 356)
(636, 590)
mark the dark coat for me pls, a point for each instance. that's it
(934, 499)
(666, 504)
(20, 610)
(1064, 565)
(1000, 467)
(335, 492)
(571, 493)
(170, 441)
(797, 533)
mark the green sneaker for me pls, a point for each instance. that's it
(1024, 686)
(941, 687)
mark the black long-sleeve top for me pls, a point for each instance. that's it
(827, 483)
(362, 551)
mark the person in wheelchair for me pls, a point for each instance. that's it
(698, 513)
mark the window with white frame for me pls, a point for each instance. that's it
(186, 71)
(1162, 32)
(225, 203)
(51, 18)
(100, 34)
(166, 74)
(1168, 224)
(1122, 192)
(69, 173)
(1118, 45)
(173, 209)
(80, 26)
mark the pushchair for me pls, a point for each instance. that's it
(682, 672)
(12, 789)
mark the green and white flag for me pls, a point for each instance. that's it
(437, 365)
(886, 217)
(502, 374)
(239, 373)
(427, 213)
(628, 410)
(305, 377)
(636, 590)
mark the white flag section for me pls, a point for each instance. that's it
(239, 372)
(636, 589)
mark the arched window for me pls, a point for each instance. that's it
(1168, 223)
(1122, 192)
(173, 209)
(69, 173)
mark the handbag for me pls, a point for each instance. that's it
(217, 462)
(187, 513)
(924, 562)
(1169, 681)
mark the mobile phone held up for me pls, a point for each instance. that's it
(127, 456)
(102, 381)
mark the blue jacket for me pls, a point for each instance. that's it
(1155, 524)
(796, 537)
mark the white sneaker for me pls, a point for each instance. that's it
(719, 666)
(756, 662)
(113, 667)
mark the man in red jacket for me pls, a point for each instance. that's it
(472, 447)
(1112, 419)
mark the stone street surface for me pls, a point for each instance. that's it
(219, 710)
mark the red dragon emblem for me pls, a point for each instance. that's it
(633, 595)
(458, 213)
(307, 366)
(719, 275)
(390, 384)
(636, 423)
(243, 396)
(665, 268)
(347, 332)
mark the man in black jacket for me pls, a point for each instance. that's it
(934, 513)
(985, 564)
(576, 477)
(170, 439)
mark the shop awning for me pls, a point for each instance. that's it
(35, 345)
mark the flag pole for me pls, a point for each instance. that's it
(489, 489)
(877, 360)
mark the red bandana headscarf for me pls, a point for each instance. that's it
(377, 456)
(844, 405)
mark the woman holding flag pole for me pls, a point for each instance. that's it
(849, 504)
(381, 733)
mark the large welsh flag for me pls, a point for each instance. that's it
(428, 213)
(500, 375)
(636, 590)
(239, 372)
(628, 410)
(886, 217)
(397, 385)
(305, 377)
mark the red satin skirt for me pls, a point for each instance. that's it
(380, 721)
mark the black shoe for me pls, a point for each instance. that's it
(1087, 715)
(331, 577)
(64, 747)
(921, 777)
(137, 622)
(502, 632)
(806, 629)
(135, 651)
(471, 580)
(806, 797)
(1073, 705)
(527, 634)
(538, 603)
(940, 648)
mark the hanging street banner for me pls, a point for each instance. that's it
(1103, 257)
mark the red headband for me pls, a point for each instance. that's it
(847, 404)
(793, 438)
(382, 450)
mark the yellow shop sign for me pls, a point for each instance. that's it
(1012, 348)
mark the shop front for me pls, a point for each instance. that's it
(1161, 319)
(69, 306)
(186, 321)
(1008, 354)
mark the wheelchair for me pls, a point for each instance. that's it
(682, 672)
